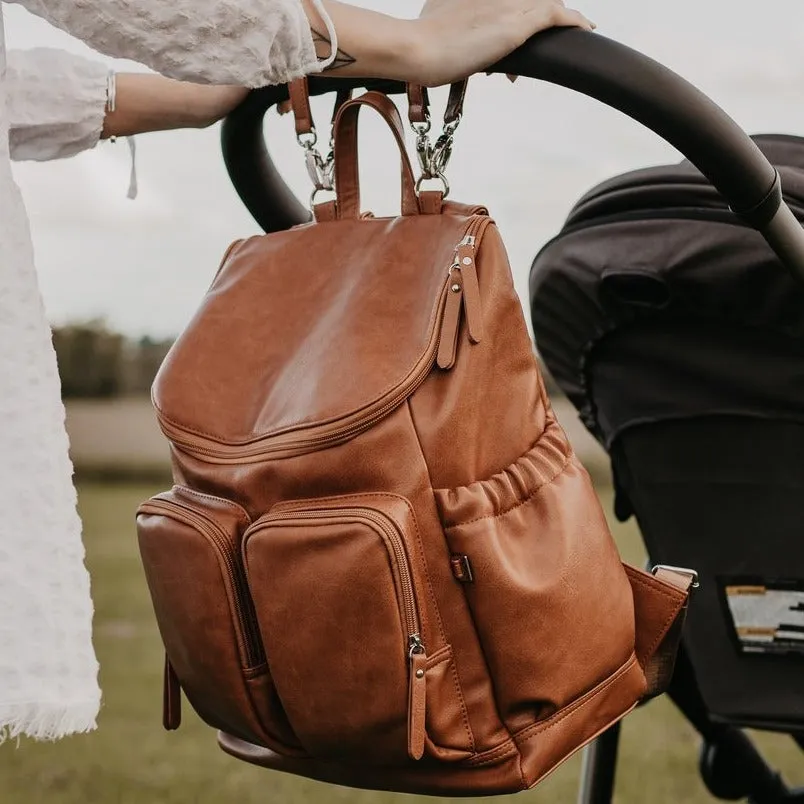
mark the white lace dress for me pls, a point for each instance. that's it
(55, 102)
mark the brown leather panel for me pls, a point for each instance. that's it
(457, 407)
(290, 366)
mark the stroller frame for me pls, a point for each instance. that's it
(731, 766)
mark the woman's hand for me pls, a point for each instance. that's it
(450, 40)
(461, 37)
(152, 103)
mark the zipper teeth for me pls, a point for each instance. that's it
(400, 554)
(478, 224)
(252, 642)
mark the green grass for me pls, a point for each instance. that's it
(130, 760)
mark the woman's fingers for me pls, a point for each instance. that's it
(568, 17)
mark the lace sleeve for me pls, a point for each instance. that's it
(245, 42)
(56, 103)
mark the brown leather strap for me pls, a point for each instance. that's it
(347, 177)
(300, 103)
(171, 698)
(457, 96)
(419, 102)
(341, 97)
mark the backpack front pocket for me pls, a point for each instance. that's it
(189, 543)
(341, 595)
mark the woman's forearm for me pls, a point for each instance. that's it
(152, 103)
(450, 40)
(370, 44)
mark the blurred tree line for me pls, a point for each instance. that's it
(97, 363)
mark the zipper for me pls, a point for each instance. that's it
(331, 434)
(463, 298)
(414, 646)
(247, 620)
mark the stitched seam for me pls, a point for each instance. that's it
(525, 785)
(522, 502)
(538, 728)
(494, 754)
(464, 709)
(439, 657)
(255, 672)
(464, 713)
(202, 496)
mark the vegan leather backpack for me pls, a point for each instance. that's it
(381, 563)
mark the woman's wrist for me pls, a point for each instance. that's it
(145, 102)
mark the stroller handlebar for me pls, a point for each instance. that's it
(587, 63)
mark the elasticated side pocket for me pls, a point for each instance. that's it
(551, 602)
(342, 600)
(189, 544)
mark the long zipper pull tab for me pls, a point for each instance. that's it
(450, 323)
(171, 699)
(465, 260)
(417, 698)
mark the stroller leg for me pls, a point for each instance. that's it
(599, 768)
(730, 764)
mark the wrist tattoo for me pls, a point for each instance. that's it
(323, 48)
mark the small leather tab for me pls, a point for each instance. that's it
(325, 212)
(171, 698)
(431, 202)
(417, 705)
(300, 103)
(471, 293)
(462, 568)
(450, 324)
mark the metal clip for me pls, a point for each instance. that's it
(321, 171)
(434, 158)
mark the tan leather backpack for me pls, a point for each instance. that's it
(381, 564)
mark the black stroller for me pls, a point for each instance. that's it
(679, 335)
(685, 358)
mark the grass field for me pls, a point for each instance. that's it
(130, 760)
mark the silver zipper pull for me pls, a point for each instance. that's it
(415, 645)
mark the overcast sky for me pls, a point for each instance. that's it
(527, 151)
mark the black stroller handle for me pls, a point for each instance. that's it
(587, 63)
